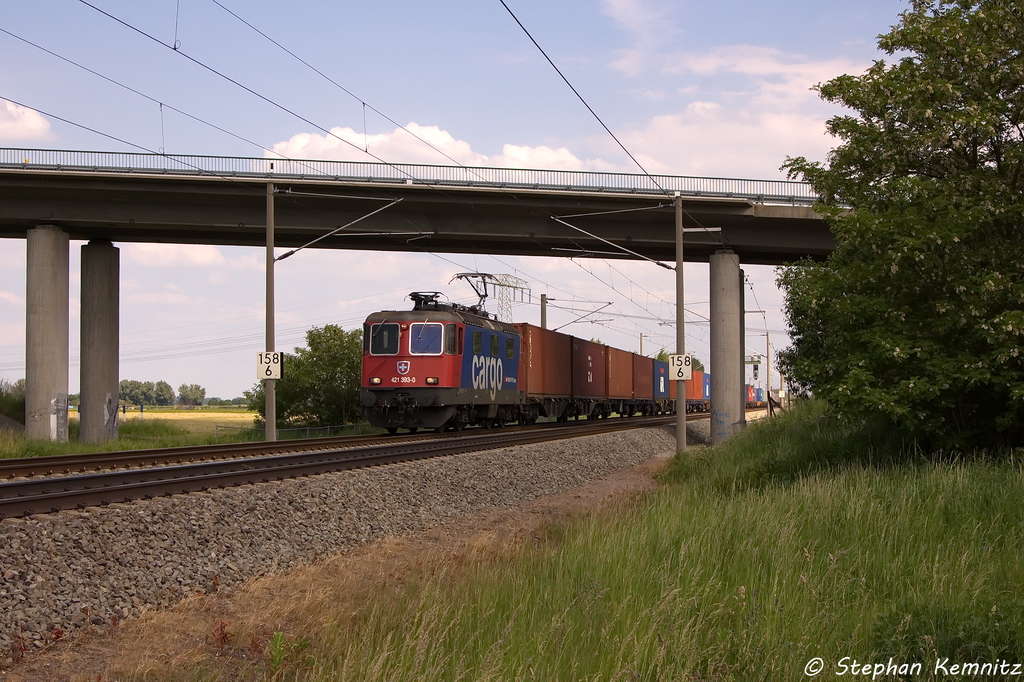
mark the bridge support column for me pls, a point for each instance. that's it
(741, 405)
(100, 339)
(46, 333)
(726, 345)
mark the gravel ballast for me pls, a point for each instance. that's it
(64, 571)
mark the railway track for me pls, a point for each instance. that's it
(174, 471)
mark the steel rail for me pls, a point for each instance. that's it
(24, 498)
(69, 464)
(51, 465)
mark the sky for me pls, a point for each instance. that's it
(688, 87)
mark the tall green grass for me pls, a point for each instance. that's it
(803, 537)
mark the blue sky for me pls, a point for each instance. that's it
(691, 88)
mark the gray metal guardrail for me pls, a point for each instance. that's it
(758, 191)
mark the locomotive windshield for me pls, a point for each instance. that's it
(425, 338)
(384, 339)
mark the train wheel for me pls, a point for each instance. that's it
(413, 429)
(458, 425)
(392, 430)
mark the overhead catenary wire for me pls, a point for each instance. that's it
(161, 153)
(282, 107)
(591, 110)
(149, 354)
(225, 131)
(162, 105)
(248, 89)
(366, 105)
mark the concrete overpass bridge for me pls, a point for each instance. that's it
(50, 197)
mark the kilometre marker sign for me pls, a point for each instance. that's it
(269, 365)
(680, 367)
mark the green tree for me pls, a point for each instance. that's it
(695, 362)
(137, 392)
(191, 394)
(919, 313)
(320, 386)
(163, 394)
(12, 399)
(131, 391)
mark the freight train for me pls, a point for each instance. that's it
(445, 366)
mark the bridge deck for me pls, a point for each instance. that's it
(221, 200)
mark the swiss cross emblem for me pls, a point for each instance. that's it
(403, 366)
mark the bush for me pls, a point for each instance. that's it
(12, 400)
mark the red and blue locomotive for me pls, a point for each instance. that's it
(439, 365)
(445, 366)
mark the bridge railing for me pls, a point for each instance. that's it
(760, 191)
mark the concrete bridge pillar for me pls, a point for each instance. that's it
(100, 339)
(46, 333)
(741, 397)
(727, 403)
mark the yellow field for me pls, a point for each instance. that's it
(198, 422)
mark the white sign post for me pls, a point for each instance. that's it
(269, 365)
(680, 367)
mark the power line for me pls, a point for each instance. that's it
(245, 87)
(151, 99)
(596, 117)
(175, 48)
(578, 95)
(348, 92)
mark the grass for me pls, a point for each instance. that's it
(166, 428)
(802, 537)
(195, 422)
(134, 434)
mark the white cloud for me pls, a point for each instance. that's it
(22, 123)
(769, 111)
(515, 156)
(785, 79)
(159, 298)
(649, 26)
(750, 106)
(13, 299)
(172, 255)
(402, 146)
(708, 139)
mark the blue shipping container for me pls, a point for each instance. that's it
(707, 386)
(660, 379)
(760, 395)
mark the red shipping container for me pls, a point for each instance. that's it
(545, 362)
(672, 388)
(588, 369)
(695, 386)
(620, 373)
(643, 375)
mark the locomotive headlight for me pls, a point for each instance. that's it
(432, 381)
(375, 381)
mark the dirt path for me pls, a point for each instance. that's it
(157, 643)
